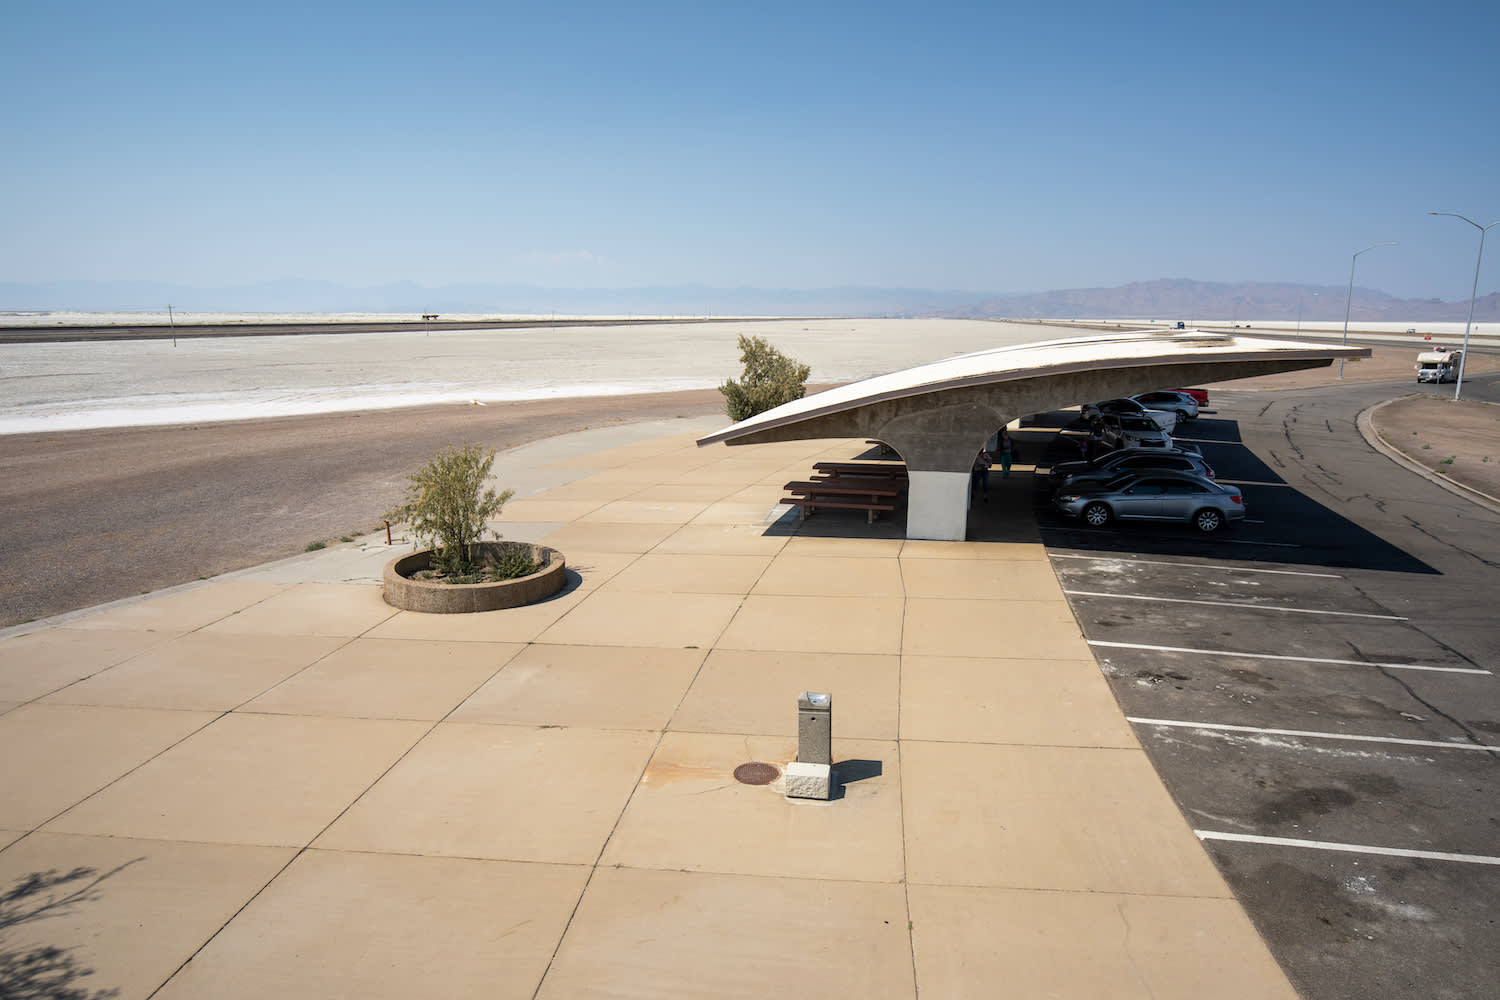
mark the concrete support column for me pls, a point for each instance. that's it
(937, 505)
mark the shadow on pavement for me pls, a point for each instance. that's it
(47, 972)
(1283, 525)
(846, 772)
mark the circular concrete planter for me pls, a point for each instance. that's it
(438, 598)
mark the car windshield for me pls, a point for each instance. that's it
(1137, 424)
(1118, 483)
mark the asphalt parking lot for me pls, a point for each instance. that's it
(1316, 688)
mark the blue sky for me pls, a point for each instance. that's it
(992, 147)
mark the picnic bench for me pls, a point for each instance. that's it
(872, 496)
(860, 470)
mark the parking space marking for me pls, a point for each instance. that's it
(1274, 656)
(1157, 562)
(1249, 482)
(1309, 734)
(1328, 845)
(1274, 545)
(1072, 529)
(1232, 604)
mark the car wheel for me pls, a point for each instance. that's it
(1208, 520)
(1096, 515)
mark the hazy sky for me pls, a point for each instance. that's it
(991, 147)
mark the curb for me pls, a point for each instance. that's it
(1366, 424)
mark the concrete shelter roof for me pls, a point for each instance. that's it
(1147, 349)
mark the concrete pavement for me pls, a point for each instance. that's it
(313, 794)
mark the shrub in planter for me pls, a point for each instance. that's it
(447, 505)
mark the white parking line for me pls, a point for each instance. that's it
(1246, 482)
(1233, 604)
(1079, 529)
(1273, 656)
(1232, 569)
(1308, 734)
(1328, 845)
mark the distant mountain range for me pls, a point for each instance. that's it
(1174, 299)
(1165, 299)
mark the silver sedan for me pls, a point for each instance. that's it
(1180, 403)
(1154, 496)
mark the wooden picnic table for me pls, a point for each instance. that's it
(871, 496)
(845, 487)
(887, 470)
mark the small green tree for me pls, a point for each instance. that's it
(447, 506)
(770, 379)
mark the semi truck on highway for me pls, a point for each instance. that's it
(1438, 366)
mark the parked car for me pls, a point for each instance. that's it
(1130, 431)
(1062, 470)
(1154, 496)
(1130, 460)
(1166, 419)
(1200, 395)
(1180, 403)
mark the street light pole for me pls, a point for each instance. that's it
(1350, 299)
(1463, 358)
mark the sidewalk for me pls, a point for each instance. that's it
(316, 795)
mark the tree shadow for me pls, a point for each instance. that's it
(47, 972)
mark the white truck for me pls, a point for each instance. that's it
(1439, 366)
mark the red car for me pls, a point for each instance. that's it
(1201, 395)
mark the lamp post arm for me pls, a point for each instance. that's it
(1463, 359)
(1349, 300)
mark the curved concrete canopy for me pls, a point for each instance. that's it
(938, 415)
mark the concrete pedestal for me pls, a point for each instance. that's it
(937, 505)
(809, 781)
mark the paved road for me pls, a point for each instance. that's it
(1483, 387)
(1360, 604)
(60, 334)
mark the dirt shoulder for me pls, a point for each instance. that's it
(95, 516)
(1459, 440)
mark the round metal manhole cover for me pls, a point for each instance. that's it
(756, 773)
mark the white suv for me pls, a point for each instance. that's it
(1129, 430)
